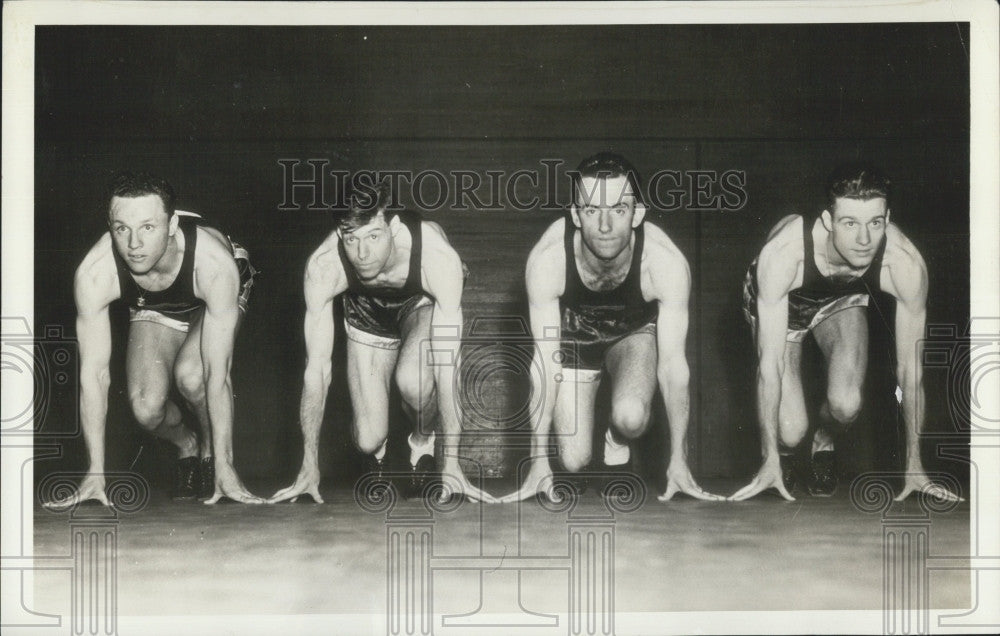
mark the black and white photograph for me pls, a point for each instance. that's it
(501, 318)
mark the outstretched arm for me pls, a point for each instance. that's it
(218, 283)
(93, 332)
(775, 274)
(672, 285)
(909, 285)
(444, 280)
(323, 281)
(543, 308)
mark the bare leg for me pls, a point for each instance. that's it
(793, 421)
(369, 370)
(631, 363)
(843, 339)
(152, 349)
(573, 420)
(415, 377)
(189, 373)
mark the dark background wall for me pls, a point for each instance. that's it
(215, 109)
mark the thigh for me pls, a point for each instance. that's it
(369, 370)
(843, 339)
(631, 363)
(415, 345)
(573, 416)
(189, 356)
(149, 358)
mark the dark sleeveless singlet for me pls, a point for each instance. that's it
(592, 321)
(817, 291)
(380, 310)
(176, 301)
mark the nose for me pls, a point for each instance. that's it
(605, 221)
(865, 235)
(133, 241)
(363, 251)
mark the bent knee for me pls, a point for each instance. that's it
(574, 460)
(190, 383)
(416, 389)
(790, 435)
(844, 406)
(630, 417)
(367, 439)
(149, 410)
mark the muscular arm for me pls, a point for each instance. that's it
(324, 279)
(93, 331)
(544, 280)
(777, 272)
(672, 284)
(218, 285)
(95, 285)
(443, 279)
(543, 312)
(906, 280)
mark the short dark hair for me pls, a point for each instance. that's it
(607, 165)
(138, 184)
(365, 201)
(857, 181)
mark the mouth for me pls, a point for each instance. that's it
(136, 258)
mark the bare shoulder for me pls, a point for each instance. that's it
(95, 283)
(545, 271)
(212, 254)
(661, 252)
(904, 273)
(781, 257)
(324, 269)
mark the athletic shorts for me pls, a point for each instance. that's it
(805, 311)
(181, 321)
(583, 361)
(375, 321)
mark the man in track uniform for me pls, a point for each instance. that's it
(401, 287)
(186, 285)
(616, 291)
(817, 276)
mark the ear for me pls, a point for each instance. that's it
(173, 224)
(827, 220)
(887, 213)
(639, 214)
(575, 215)
(393, 223)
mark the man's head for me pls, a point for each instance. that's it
(366, 229)
(857, 212)
(141, 218)
(607, 203)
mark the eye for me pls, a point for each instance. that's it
(877, 223)
(120, 229)
(590, 210)
(350, 238)
(373, 237)
(147, 227)
(620, 210)
(850, 223)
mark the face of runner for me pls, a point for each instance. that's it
(368, 247)
(606, 212)
(141, 230)
(856, 229)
